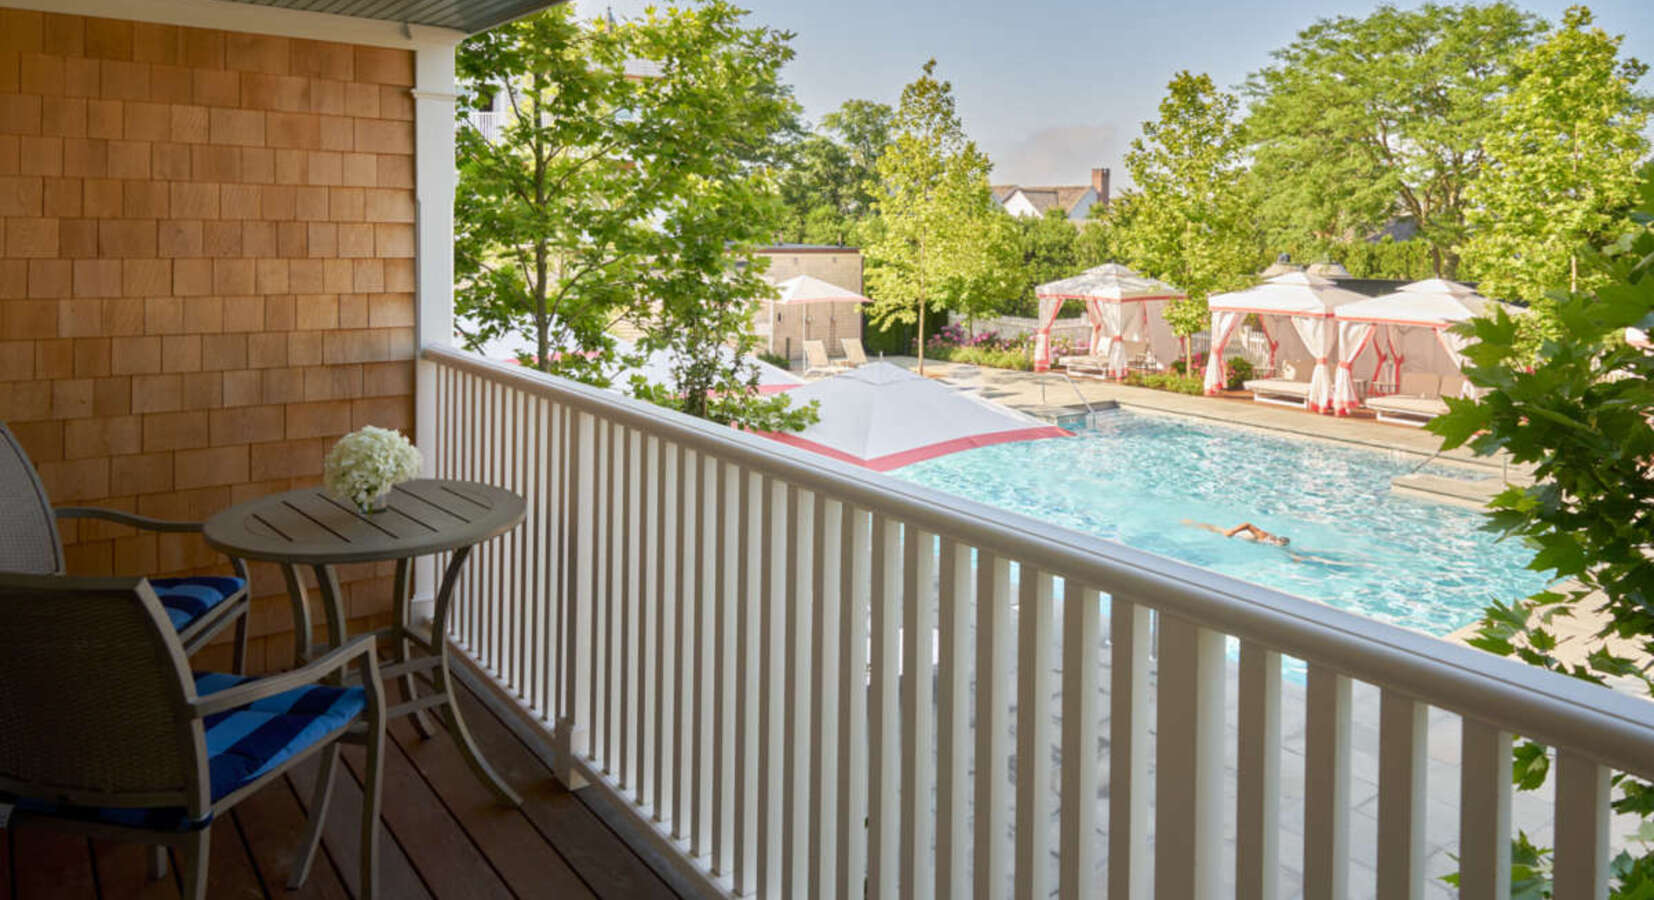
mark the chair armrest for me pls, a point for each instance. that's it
(313, 673)
(144, 522)
(126, 518)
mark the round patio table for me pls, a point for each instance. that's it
(308, 527)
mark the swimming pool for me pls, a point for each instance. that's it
(1138, 478)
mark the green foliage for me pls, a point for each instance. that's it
(1530, 870)
(1240, 372)
(1168, 381)
(1050, 248)
(830, 175)
(1017, 358)
(709, 130)
(1362, 118)
(1383, 258)
(1578, 408)
(774, 359)
(1561, 165)
(549, 229)
(940, 242)
(607, 196)
(1188, 222)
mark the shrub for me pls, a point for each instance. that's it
(775, 359)
(1178, 364)
(998, 358)
(1166, 381)
(947, 336)
(1240, 371)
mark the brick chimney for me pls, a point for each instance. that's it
(1099, 182)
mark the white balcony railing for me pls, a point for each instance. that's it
(809, 681)
(487, 124)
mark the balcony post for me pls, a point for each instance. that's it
(434, 180)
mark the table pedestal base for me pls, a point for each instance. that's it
(416, 662)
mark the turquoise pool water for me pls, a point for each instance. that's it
(1135, 478)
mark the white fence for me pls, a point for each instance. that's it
(811, 681)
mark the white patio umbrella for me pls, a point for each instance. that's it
(1435, 305)
(1122, 304)
(806, 289)
(882, 416)
(1304, 301)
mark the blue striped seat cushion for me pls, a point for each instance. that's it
(246, 742)
(243, 744)
(188, 599)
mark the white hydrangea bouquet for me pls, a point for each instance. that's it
(365, 464)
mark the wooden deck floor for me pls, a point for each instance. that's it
(443, 837)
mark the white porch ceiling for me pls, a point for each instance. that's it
(467, 16)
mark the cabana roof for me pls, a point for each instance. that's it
(1288, 294)
(1110, 282)
(1432, 303)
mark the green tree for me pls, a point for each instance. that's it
(830, 174)
(708, 132)
(940, 241)
(1187, 221)
(1050, 249)
(1364, 119)
(1582, 417)
(607, 195)
(1561, 164)
(548, 223)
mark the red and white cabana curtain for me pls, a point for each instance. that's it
(1454, 344)
(1108, 333)
(1049, 307)
(1320, 337)
(1353, 338)
(1224, 324)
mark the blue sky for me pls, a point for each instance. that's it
(1050, 88)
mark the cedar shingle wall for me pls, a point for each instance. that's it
(206, 275)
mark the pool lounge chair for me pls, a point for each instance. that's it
(854, 355)
(1092, 366)
(1290, 390)
(1418, 401)
(816, 361)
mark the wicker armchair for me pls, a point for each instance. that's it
(198, 607)
(104, 731)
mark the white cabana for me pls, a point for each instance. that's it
(802, 291)
(1413, 324)
(1295, 308)
(883, 416)
(1122, 305)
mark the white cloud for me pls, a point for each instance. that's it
(1062, 154)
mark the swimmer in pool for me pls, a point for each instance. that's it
(1246, 531)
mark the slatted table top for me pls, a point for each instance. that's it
(309, 526)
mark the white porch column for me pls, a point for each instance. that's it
(434, 93)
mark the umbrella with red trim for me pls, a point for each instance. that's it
(882, 416)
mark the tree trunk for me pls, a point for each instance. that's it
(921, 304)
(542, 324)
